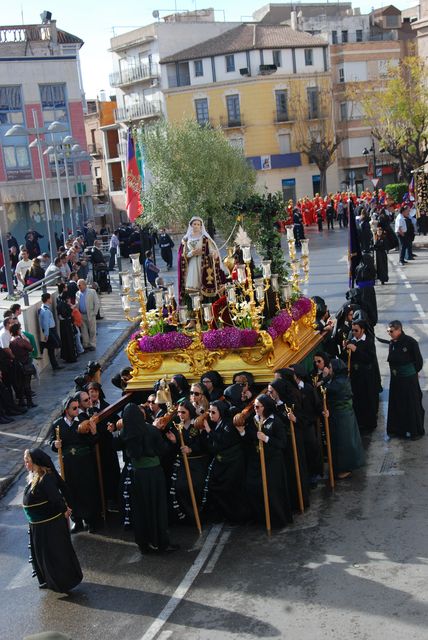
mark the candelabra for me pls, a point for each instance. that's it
(296, 263)
(140, 296)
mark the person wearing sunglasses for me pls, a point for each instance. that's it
(227, 469)
(363, 375)
(199, 397)
(198, 463)
(214, 384)
(265, 426)
(79, 465)
(406, 414)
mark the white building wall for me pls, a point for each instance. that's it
(317, 57)
(220, 67)
(355, 71)
(353, 147)
(48, 72)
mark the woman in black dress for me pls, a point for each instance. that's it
(66, 326)
(45, 504)
(214, 384)
(266, 427)
(198, 463)
(381, 249)
(143, 445)
(364, 376)
(226, 472)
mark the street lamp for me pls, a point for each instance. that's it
(78, 156)
(366, 152)
(54, 127)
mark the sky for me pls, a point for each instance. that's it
(97, 21)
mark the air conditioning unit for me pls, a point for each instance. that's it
(267, 69)
(244, 72)
(154, 83)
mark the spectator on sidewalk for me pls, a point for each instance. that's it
(72, 287)
(49, 337)
(166, 245)
(32, 245)
(22, 267)
(88, 304)
(151, 269)
(45, 260)
(114, 244)
(16, 311)
(35, 272)
(54, 268)
(21, 348)
(404, 231)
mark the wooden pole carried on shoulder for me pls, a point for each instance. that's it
(327, 439)
(349, 362)
(296, 461)
(60, 456)
(264, 482)
(180, 427)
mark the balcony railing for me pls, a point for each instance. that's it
(139, 110)
(280, 117)
(131, 75)
(93, 150)
(232, 122)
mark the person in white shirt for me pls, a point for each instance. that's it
(22, 267)
(54, 267)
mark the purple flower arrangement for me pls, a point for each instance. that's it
(229, 338)
(164, 342)
(282, 322)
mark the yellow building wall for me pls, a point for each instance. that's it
(259, 130)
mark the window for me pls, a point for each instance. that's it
(237, 142)
(281, 99)
(276, 55)
(230, 63)
(312, 93)
(54, 104)
(284, 143)
(16, 157)
(11, 106)
(15, 151)
(344, 36)
(201, 107)
(233, 110)
(359, 35)
(199, 69)
(334, 37)
(343, 111)
(341, 74)
(316, 185)
(392, 21)
(309, 58)
(289, 189)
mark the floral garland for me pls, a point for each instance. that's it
(229, 338)
(164, 342)
(282, 322)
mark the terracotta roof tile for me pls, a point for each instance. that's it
(246, 37)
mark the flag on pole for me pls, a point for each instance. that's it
(134, 207)
(354, 248)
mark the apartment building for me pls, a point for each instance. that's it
(40, 82)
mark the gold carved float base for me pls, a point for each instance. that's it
(262, 360)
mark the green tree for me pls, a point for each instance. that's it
(193, 171)
(397, 112)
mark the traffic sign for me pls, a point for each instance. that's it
(375, 181)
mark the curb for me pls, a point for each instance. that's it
(104, 360)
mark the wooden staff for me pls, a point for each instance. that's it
(349, 362)
(180, 427)
(327, 439)
(296, 460)
(60, 456)
(264, 482)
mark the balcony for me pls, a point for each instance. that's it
(281, 117)
(94, 151)
(139, 111)
(139, 73)
(236, 122)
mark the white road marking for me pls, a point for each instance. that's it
(165, 634)
(402, 275)
(184, 585)
(20, 436)
(343, 258)
(21, 579)
(407, 285)
(414, 297)
(420, 311)
(218, 551)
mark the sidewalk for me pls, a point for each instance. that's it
(28, 431)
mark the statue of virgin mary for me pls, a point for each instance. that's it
(198, 262)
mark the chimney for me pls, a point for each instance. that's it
(293, 20)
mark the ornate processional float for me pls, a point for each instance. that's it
(251, 322)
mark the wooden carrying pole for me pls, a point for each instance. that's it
(189, 479)
(327, 439)
(100, 480)
(60, 457)
(296, 462)
(349, 362)
(264, 482)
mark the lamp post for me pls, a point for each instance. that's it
(53, 150)
(54, 127)
(366, 153)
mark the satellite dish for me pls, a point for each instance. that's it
(155, 13)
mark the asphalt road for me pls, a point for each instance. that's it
(355, 565)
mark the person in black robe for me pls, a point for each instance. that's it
(214, 384)
(287, 398)
(108, 455)
(406, 414)
(265, 426)
(143, 445)
(233, 397)
(54, 560)
(66, 326)
(166, 245)
(298, 229)
(342, 329)
(365, 276)
(363, 375)
(325, 325)
(381, 248)
(198, 463)
(79, 465)
(226, 472)
(346, 447)
(364, 232)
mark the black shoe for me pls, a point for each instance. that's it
(418, 436)
(16, 411)
(170, 548)
(43, 585)
(5, 420)
(90, 349)
(32, 405)
(403, 263)
(414, 255)
(77, 526)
